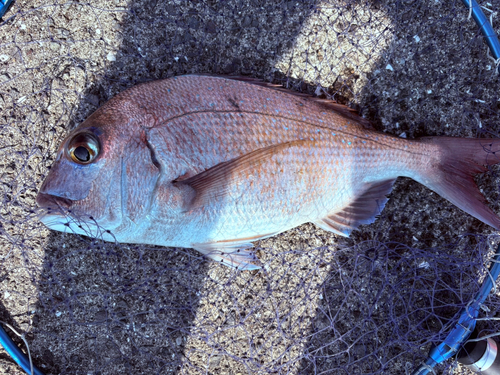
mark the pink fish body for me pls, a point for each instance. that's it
(215, 163)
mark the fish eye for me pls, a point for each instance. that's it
(83, 148)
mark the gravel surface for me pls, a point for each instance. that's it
(372, 303)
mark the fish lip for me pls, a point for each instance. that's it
(52, 202)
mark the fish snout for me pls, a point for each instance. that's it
(51, 202)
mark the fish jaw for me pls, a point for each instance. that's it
(59, 214)
(68, 203)
(50, 202)
(69, 224)
(96, 216)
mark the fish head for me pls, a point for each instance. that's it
(104, 174)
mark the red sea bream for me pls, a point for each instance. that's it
(214, 163)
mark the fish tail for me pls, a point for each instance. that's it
(451, 169)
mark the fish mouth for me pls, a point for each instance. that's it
(56, 214)
(52, 203)
(59, 214)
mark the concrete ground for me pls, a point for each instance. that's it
(370, 304)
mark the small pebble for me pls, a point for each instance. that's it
(424, 264)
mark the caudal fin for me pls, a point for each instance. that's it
(452, 176)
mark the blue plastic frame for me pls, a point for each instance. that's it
(485, 27)
(4, 5)
(465, 325)
(16, 353)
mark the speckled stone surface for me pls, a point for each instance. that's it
(372, 303)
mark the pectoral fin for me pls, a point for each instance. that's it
(362, 210)
(215, 182)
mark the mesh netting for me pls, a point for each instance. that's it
(370, 304)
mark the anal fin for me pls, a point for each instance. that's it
(362, 210)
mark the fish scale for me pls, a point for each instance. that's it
(215, 163)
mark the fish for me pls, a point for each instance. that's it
(216, 163)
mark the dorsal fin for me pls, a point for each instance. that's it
(328, 104)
